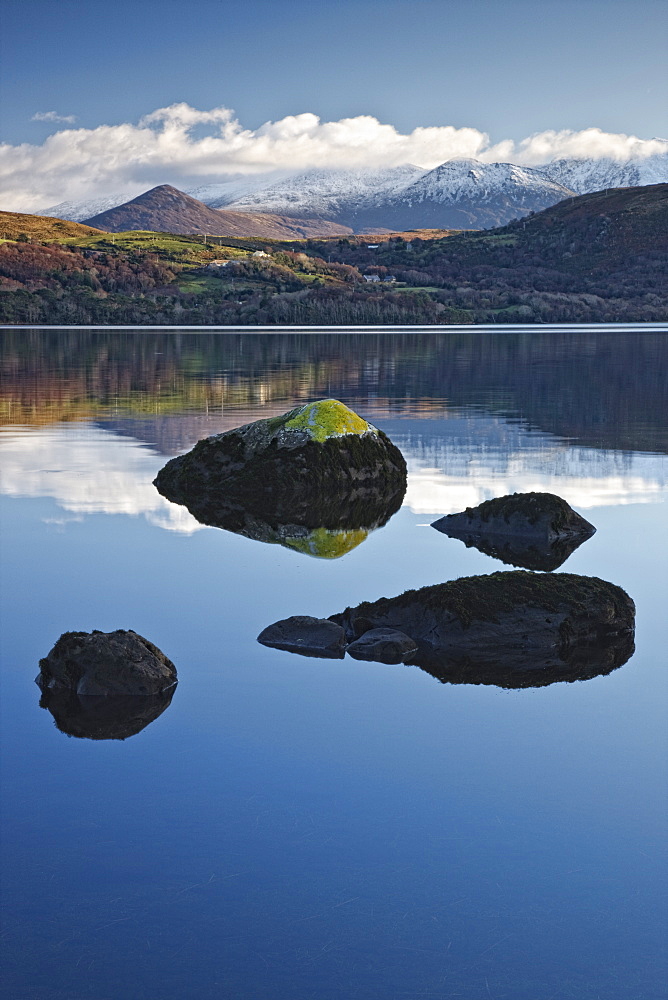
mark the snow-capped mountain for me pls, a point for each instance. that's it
(76, 211)
(223, 192)
(329, 193)
(465, 180)
(458, 194)
(584, 176)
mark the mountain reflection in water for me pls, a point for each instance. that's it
(603, 390)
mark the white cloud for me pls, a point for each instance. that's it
(52, 116)
(168, 146)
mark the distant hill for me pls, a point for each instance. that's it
(168, 210)
(41, 227)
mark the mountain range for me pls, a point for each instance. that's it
(460, 193)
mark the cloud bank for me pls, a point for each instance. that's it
(183, 146)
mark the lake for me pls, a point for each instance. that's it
(315, 829)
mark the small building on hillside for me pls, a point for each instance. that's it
(390, 278)
(371, 277)
(215, 265)
(260, 253)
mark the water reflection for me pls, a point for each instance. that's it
(452, 464)
(604, 390)
(113, 717)
(545, 556)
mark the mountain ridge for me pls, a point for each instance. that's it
(395, 198)
(166, 209)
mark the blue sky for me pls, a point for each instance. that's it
(110, 97)
(506, 67)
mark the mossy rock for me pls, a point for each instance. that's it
(513, 629)
(319, 466)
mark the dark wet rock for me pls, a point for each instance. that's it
(306, 635)
(383, 645)
(533, 530)
(319, 467)
(106, 663)
(513, 629)
(114, 717)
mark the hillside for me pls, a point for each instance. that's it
(14, 225)
(168, 210)
(595, 258)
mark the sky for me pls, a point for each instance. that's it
(351, 81)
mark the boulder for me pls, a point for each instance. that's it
(319, 466)
(306, 635)
(532, 530)
(383, 645)
(514, 629)
(114, 717)
(106, 663)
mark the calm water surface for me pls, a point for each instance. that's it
(312, 829)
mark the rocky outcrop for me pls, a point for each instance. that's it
(316, 479)
(514, 629)
(306, 635)
(106, 663)
(115, 717)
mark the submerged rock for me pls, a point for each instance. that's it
(533, 530)
(513, 629)
(106, 663)
(295, 479)
(383, 645)
(115, 717)
(306, 635)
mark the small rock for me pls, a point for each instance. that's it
(383, 645)
(303, 634)
(541, 517)
(106, 663)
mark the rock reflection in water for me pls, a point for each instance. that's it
(544, 556)
(326, 531)
(114, 717)
(531, 530)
